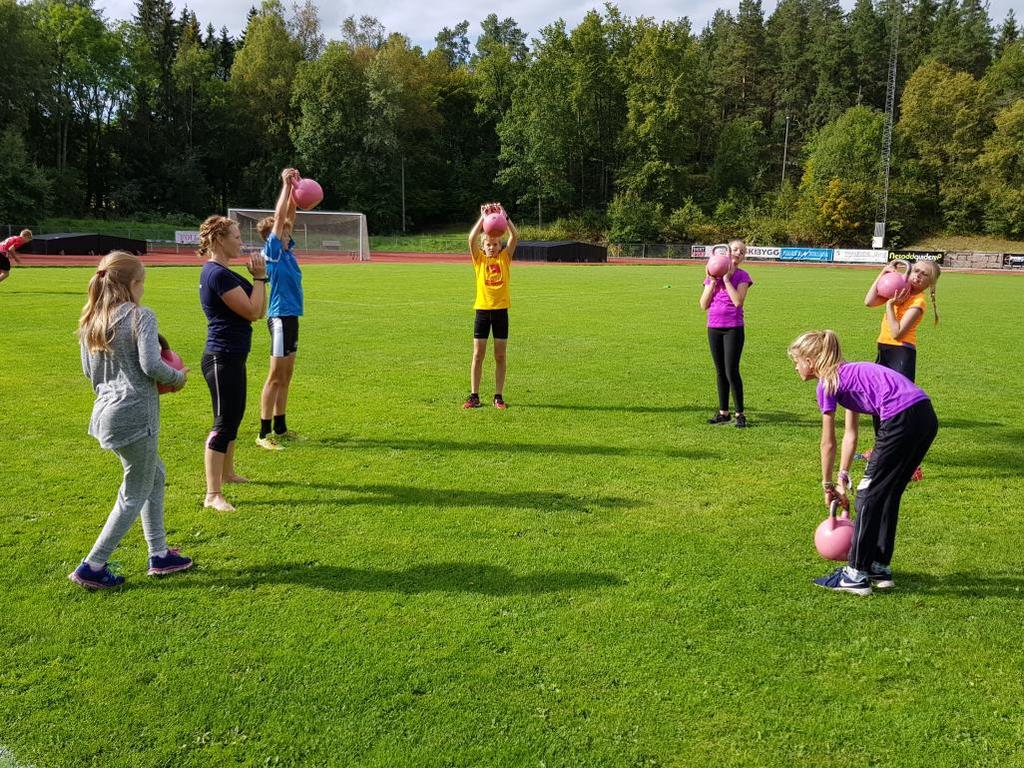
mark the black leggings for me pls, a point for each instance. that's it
(726, 348)
(225, 376)
(899, 358)
(902, 442)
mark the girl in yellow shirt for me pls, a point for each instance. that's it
(492, 263)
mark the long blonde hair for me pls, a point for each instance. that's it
(211, 230)
(823, 350)
(936, 274)
(109, 288)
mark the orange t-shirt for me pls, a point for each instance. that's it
(914, 301)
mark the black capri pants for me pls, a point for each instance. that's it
(225, 376)
(726, 349)
(903, 440)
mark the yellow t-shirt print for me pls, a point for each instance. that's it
(492, 278)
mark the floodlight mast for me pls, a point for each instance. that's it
(882, 208)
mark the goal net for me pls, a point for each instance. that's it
(328, 234)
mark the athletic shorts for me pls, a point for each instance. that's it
(284, 335)
(5, 263)
(488, 320)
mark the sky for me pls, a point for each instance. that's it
(421, 22)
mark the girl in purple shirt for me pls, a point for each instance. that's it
(908, 426)
(723, 299)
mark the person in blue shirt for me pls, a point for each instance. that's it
(283, 313)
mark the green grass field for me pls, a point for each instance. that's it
(593, 578)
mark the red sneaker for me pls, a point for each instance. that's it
(473, 401)
(499, 403)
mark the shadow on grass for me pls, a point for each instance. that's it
(756, 417)
(994, 461)
(414, 496)
(401, 444)
(962, 584)
(478, 578)
(969, 424)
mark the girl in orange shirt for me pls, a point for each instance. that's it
(897, 340)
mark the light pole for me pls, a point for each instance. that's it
(785, 147)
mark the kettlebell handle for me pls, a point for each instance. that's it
(906, 266)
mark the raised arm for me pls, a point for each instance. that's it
(284, 211)
(474, 233)
(513, 236)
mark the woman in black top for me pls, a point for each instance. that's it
(231, 303)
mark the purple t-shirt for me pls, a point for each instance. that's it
(871, 388)
(722, 313)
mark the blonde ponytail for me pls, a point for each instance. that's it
(109, 288)
(822, 348)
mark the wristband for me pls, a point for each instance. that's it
(260, 279)
(828, 485)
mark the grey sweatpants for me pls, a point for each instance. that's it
(141, 493)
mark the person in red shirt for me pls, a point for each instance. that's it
(9, 250)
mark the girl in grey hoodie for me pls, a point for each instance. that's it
(121, 358)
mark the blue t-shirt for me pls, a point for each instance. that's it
(227, 331)
(285, 278)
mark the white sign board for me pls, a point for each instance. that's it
(860, 256)
(182, 237)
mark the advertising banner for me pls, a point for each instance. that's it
(805, 254)
(182, 237)
(1013, 260)
(936, 256)
(763, 252)
(860, 256)
(700, 251)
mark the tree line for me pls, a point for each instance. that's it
(630, 128)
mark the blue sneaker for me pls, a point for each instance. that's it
(86, 577)
(840, 581)
(172, 562)
(880, 577)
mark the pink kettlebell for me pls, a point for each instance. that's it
(172, 359)
(495, 224)
(834, 535)
(892, 283)
(307, 194)
(719, 261)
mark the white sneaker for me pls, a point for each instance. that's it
(269, 443)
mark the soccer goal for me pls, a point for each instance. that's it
(316, 233)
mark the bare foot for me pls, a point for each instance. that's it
(218, 502)
(234, 479)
